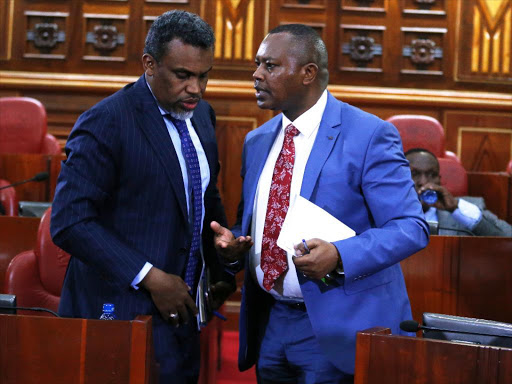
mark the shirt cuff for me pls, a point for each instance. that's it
(467, 214)
(141, 275)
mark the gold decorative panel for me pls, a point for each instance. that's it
(485, 40)
(234, 30)
(6, 21)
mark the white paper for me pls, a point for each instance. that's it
(306, 220)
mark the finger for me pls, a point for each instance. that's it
(216, 227)
(173, 317)
(300, 249)
(190, 304)
(183, 314)
(220, 230)
(244, 239)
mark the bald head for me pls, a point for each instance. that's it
(308, 47)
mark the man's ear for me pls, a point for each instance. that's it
(310, 73)
(149, 64)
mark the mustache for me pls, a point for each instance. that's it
(258, 88)
(191, 99)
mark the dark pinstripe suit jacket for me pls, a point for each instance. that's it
(120, 202)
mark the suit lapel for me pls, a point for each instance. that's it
(259, 154)
(326, 138)
(200, 126)
(152, 124)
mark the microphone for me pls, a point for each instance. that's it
(414, 326)
(41, 176)
(8, 303)
(12, 310)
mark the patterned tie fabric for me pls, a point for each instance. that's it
(273, 258)
(194, 174)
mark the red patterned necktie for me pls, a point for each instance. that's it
(273, 259)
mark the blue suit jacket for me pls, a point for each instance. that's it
(120, 202)
(357, 172)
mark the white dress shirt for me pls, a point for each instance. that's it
(203, 166)
(307, 124)
(467, 214)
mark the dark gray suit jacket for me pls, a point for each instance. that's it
(490, 225)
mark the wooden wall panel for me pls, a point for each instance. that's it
(405, 43)
(481, 139)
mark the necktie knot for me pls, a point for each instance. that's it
(180, 125)
(291, 131)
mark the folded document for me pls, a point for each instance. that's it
(306, 220)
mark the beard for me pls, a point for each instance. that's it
(182, 115)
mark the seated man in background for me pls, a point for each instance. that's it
(455, 216)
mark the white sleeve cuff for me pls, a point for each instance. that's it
(467, 214)
(141, 275)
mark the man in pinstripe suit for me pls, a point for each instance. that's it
(123, 204)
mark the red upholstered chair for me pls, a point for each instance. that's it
(36, 276)
(419, 131)
(8, 199)
(23, 127)
(453, 177)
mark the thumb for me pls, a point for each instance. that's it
(216, 227)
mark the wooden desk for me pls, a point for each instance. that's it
(61, 350)
(382, 358)
(16, 167)
(463, 276)
(17, 234)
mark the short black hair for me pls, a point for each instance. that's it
(418, 150)
(312, 47)
(177, 24)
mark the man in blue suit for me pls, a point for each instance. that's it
(138, 182)
(294, 326)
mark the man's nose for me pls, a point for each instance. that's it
(194, 86)
(257, 74)
(421, 180)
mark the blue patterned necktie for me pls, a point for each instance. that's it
(194, 176)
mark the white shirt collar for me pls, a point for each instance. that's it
(309, 120)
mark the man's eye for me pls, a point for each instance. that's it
(270, 66)
(181, 75)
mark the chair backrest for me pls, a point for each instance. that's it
(8, 199)
(419, 131)
(453, 177)
(23, 127)
(36, 276)
(52, 261)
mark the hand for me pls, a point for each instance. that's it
(170, 294)
(445, 199)
(229, 248)
(322, 259)
(220, 292)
